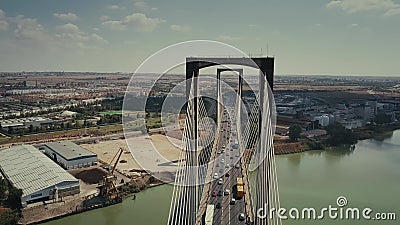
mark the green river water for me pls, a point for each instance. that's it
(369, 176)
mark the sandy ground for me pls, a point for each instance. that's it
(154, 152)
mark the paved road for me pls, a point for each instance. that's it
(227, 166)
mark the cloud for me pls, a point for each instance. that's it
(97, 38)
(114, 25)
(2, 14)
(143, 23)
(28, 28)
(3, 20)
(69, 27)
(142, 6)
(354, 26)
(66, 16)
(392, 12)
(115, 7)
(252, 25)
(354, 6)
(70, 33)
(104, 18)
(226, 38)
(180, 28)
(138, 21)
(3, 25)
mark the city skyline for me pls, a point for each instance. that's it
(348, 37)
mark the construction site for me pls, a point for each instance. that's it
(79, 177)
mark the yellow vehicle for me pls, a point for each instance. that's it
(239, 187)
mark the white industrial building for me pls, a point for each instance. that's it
(39, 178)
(70, 155)
(324, 120)
(23, 123)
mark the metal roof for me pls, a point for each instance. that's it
(30, 170)
(69, 150)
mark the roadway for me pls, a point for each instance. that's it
(227, 166)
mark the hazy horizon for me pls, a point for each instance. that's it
(314, 37)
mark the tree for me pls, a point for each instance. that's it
(10, 197)
(382, 118)
(339, 135)
(152, 179)
(3, 189)
(69, 125)
(9, 217)
(30, 128)
(10, 130)
(14, 198)
(294, 132)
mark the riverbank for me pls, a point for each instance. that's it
(46, 213)
(284, 146)
(334, 173)
(151, 207)
(290, 148)
(377, 132)
(55, 211)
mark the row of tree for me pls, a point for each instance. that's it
(10, 201)
(337, 134)
(74, 124)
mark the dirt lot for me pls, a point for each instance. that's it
(150, 151)
(91, 176)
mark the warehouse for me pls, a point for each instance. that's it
(24, 123)
(39, 178)
(70, 155)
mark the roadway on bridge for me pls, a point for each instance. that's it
(227, 166)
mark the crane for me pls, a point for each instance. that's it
(109, 190)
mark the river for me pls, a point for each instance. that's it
(369, 177)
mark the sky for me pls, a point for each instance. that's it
(332, 37)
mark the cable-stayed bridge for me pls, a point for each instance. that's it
(226, 172)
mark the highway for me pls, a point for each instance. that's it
(228, 169)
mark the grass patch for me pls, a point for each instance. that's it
(3, 137)
(112, 113)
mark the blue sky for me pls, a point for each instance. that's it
(347, 37)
